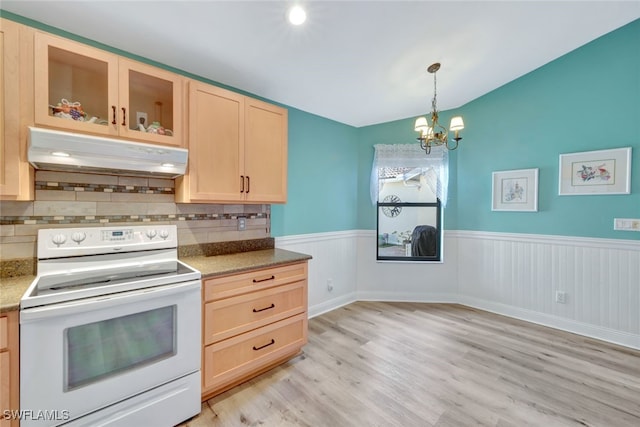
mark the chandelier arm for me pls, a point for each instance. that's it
(455, 146)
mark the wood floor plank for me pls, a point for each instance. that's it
(412, 364)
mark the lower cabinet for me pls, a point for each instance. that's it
(251, 322)
(9, 369)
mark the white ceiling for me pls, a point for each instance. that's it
(357, 62)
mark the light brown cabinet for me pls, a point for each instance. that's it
(83, 89)
(251, 322)
(16, 91)
(9, 368)
(237, 149)
(265, 153)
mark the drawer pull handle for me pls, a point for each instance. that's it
(113, 107)
(242, 182)
(124, 116)
(263, 309)
(263, 280)
(266, 345)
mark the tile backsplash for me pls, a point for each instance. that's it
(64, 199)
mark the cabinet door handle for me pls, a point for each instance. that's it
(266, 345)
(263, 309)
(113, 108)
(248, 184)
(242, 183)
(263, 280)
(124, 116)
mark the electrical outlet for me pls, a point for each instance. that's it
(627, 224)
(330, 285)
(561, 297)
(242, 223)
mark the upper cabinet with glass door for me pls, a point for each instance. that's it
(84, 89)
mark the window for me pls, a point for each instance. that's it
(409, 190)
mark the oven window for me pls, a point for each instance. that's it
(102, 349)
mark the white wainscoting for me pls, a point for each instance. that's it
(511, 274)
(334, 262)
(519, 274)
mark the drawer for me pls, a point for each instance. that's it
(227, 286)
(232, 316)
(4, 332)
(240, 356)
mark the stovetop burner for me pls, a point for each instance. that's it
(82, 263)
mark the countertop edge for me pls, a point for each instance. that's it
(222, 265)
(12, 289)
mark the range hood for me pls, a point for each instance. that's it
(65, 151)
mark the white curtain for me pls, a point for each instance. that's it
(435, 163)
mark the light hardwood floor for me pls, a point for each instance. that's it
(409, 364)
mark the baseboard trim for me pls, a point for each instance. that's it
(330, 305)
(597, 332)
(586, 330)
(382, 296)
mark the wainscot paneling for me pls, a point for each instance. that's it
(516, 275)
(332, 270)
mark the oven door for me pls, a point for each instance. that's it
(81, 356)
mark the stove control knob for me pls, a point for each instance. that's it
(58, 239)
(78, 237)
(151, 234)
(164, 234)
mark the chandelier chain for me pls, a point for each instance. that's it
(435, 94)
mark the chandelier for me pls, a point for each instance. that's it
(435, 134)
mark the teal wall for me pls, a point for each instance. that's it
(586, 100)
(322, 180)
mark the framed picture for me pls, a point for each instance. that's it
(595, 172)
(515, 190)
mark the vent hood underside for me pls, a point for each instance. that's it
(64, 151)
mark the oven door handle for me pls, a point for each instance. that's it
(107, 301)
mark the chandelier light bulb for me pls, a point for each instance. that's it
(421, 125)
(456, 123)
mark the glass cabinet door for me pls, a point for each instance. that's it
(152, 103)
(80, 88)
(75, 86)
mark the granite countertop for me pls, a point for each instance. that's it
(219, 265)
(12, 289)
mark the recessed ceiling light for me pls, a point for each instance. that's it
(297, 15)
